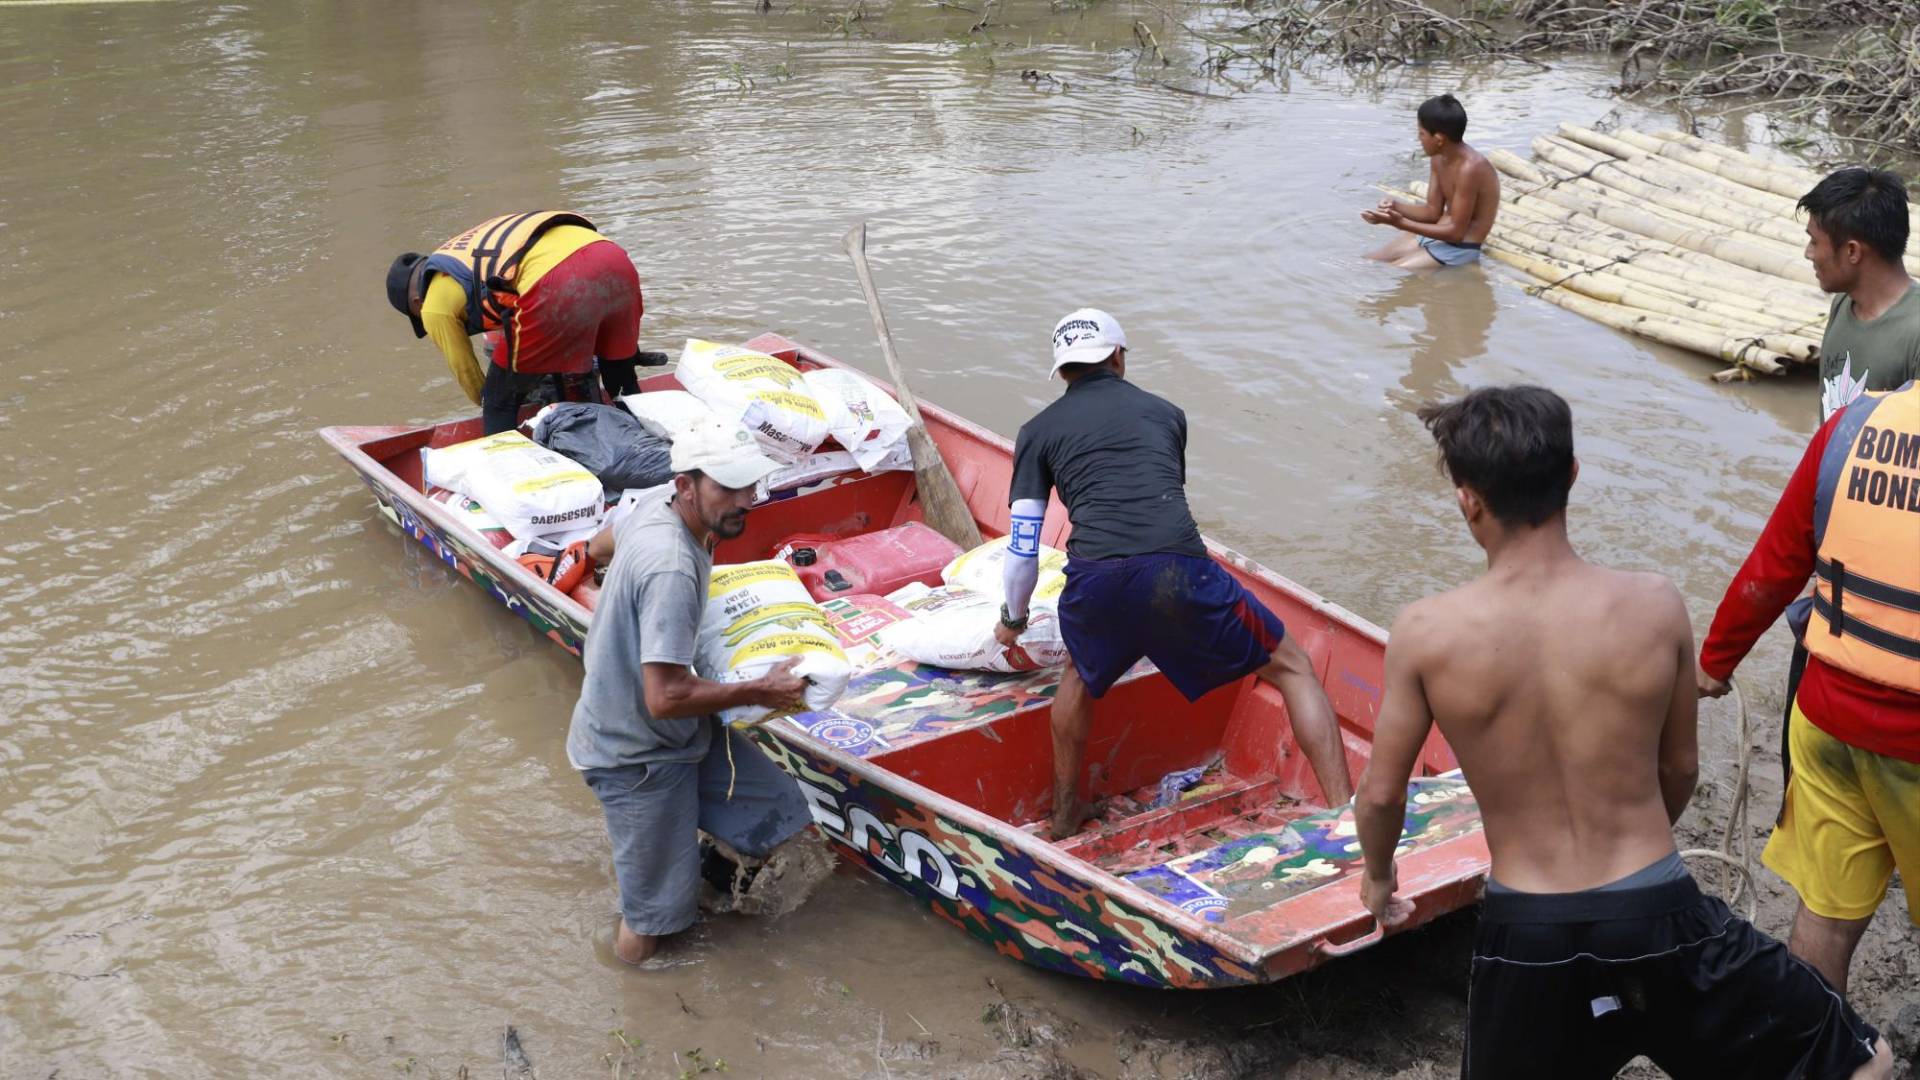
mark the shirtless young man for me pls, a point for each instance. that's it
(1463, 194)
(1566, 690)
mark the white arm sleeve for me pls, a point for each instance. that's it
(1021, 568)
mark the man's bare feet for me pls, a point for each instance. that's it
(634, 948)
(1063, 825)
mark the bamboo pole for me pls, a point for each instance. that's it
(1750, 175)
(1677, 291)
(1778, 257)
(1690, 324)
(1597, 201)
(1565, 182)
(1746, 311)
(1767, 259)
(1804, 177)
(1691, 269)
(1680, 176)
(1571, 227)
(1677, 175)
(1667, 289)
(1754, 222)
(1681, 173)
(1600, 285)
(1512, 164)
(1700, 276)
(1694, 339)
(1513, 199)
(1783, 253)
(1703, 185)
(1772, 217)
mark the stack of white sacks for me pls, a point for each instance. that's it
(759, 614)
(790, 412)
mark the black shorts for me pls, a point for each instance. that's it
(1578, 984)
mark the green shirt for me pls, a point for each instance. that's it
(1882, 354)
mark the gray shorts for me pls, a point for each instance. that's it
(1450, 254)
(654, 811)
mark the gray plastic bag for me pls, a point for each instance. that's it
(608, 442)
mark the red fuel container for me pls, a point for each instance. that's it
(875, 562)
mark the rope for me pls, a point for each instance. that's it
(1536, 290)
(1585, 174)
(1732, 888)
(733, 774)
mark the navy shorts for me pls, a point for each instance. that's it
(656, 811)
(1183, 612)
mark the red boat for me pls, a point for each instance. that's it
(1212, 860)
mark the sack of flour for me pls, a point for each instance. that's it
(765, 394)
(862, 418)
(953, 628)
(529, 489)
(758, 615)
(667, 413)
(981, 570)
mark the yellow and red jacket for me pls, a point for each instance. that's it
(1866, 531)
(511, 252)
(486, 260)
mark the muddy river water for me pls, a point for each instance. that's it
(281, 796)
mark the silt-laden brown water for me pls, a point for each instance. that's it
(279, 796)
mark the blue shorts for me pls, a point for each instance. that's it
(1183, 612)
(654, 813)
(1450, 254)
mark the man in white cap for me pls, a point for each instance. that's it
(1139, 579)
(644, 734)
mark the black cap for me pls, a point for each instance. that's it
(400, 289)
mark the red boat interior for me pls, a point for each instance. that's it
(984, 740)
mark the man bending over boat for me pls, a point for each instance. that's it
(1463, 194)
(557, 293)
(1139, 579)
(644, 735)
(1567, 691)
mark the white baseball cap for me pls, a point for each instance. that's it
(1087, 336)
(727, 452)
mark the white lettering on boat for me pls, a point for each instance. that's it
(903, 852)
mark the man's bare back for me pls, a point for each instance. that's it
(1463, 199)
(1466, 187)
(1565, 690)
(1463, 196)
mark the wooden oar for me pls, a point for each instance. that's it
(945, 508)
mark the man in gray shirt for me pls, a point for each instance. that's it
(1856, 238)
(644, 735)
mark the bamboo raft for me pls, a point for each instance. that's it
(1669, 237)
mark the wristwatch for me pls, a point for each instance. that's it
(1007, 620)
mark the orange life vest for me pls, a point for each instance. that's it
(485, 260)
(1866, 527)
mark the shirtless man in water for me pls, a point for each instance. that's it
(1463, 194)
(1566, 690)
